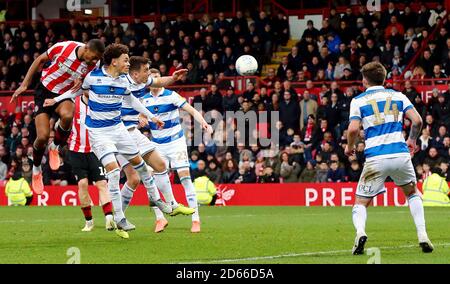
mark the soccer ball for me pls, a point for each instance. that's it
(246, 65)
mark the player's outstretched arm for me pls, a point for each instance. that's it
(168, 80)
(70, 94)
(30, 73)
(416, 127)
(137, 105)
(198, 117)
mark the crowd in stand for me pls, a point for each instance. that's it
(311, 123)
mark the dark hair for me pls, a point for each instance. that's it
(155, 71)
(136, 62)
(96, 46)
(114, 51)
(374, 73)
(436, 170)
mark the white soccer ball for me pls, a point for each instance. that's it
(246, 65)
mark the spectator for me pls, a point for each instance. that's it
(288, 170)
(355, 171)
(230, 171)
(230, 100)
(308, 174)
(289, 111)
(193, 162)
(200, 171)
(201, 100)
(3, 170)
(269, 176)
(205, 190)
(246, 175)
(335, 174)
(213, 172)
(433, 160)
(18, 190)
(322, 172)
(307, 107)
(283, 67)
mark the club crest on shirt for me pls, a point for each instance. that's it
(155, 109)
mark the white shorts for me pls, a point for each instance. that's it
(112, 140)
(375, 172)
(174, 153)
(142, 142)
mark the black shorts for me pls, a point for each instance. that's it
(86, 165)
(40, 95)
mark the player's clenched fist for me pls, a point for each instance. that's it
(158, 122)
(349, 152)
(49, 102)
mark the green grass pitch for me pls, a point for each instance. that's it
(243, 235)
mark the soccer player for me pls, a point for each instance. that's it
(87, 168)
(139, 78)
(70, 62)
(108, 87)
(171, 143)
(381, 111)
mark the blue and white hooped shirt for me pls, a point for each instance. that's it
(381, 112)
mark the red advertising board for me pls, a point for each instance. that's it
(427, 91)
(288, 194)
(23, 102)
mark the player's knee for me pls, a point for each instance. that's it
(83, 184)
(184, 173)
(409, 189)
(42, 139)
(159, 166)
(66, 120)
(133, 181)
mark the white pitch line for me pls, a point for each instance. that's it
(332, 252)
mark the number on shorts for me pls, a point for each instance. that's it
(102, 171)
(181, 156)
(387, 111)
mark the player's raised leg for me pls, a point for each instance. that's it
(42, 122)
(162, 181)
(131, 184)
(141, 168)
(65, 110)
(129, 188)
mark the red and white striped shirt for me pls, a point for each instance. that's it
(65, 68)
(79, 139)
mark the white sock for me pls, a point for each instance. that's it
(163, 183)
(191, 196)
(359, 218)
(114, 191)
(37, 170)
(147, 180)
(127, 194)
(158, 213)
(53, 146)
(417, 212)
